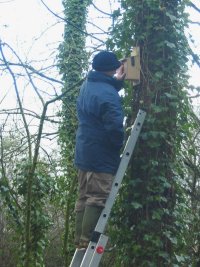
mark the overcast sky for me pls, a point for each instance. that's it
(34, 34)
(27, 25)
(33, 31)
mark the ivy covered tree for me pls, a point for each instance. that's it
(148, 214)
(72, 64)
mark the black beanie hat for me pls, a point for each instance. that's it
(105, 61)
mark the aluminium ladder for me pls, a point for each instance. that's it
(91, 256)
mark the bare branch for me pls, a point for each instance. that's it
(19, 102)
(37, 146)
(194, 22)
(101, 11)
(195, 96)
(2, 154)
(38, 72)
(28, 113)
(70, 23)
(6, 1)
(95, 26)
(194, 6)
(195, 57)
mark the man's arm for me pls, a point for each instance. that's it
(112, 117)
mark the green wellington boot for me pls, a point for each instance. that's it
(78, 226)
(90, 219)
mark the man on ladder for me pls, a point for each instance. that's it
(99, 140)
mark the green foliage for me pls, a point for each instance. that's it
(72, 62)
(14, 195)
(40, 221)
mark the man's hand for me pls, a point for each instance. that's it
(120, 74)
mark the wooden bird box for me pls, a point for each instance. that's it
(132, 66)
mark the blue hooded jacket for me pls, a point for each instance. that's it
(100, 131)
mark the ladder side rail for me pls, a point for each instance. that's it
(77, 258)
(130, 145)
(88, 254)
(99, 251)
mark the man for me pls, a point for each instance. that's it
(99, 140)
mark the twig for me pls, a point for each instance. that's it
(19, 102)
(194, 6)
(70, 23)
(34, 71)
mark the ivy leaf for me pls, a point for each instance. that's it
(5, 189)
(164, 254)
(156, 215)
(169, 44)
(157, 109)
(192, 151)
(159, 74)
(171, 96)
(136, 205)
(172, 17)
(168, 234)
(180, 258)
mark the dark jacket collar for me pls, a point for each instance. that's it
(97, 76)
